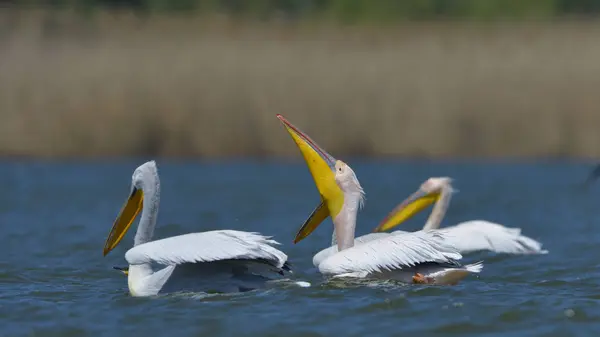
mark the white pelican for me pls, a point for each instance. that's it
(467, 237)
(213, 261)
(422, 257)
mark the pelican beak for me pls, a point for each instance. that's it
(124, 270)
(130, 210)
(314, 220)
(407, 209)
(322, 168)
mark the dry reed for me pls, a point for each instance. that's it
(120, 86)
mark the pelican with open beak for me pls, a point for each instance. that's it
(408, 257)
(467, 237)
(213, 261)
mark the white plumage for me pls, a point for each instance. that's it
(479, 235)
(401, 255)
(208, 247)
(467, 237)
(410, 257)
(393, 252)
(213, 261)
(325, 253)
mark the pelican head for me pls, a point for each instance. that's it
(132, 206)
(428, 193)
(347, 181)
(322, 167)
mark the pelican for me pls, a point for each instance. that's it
(213, 261)
(467, 237)
(422, 257)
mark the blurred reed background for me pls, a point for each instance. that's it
(187, 78)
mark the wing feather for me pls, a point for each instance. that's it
(327, 252)
(478, 235)
(206, 247)
(393, 252)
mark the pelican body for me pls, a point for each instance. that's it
(467, 237)
(213, 261)
(423, 257)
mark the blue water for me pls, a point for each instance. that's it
(55, 282)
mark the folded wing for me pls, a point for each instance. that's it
(478, 235)
(393, 252)
(207, 247)
(327, 252)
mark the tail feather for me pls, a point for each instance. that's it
(474, 267)
(530, 245)
(287, 266)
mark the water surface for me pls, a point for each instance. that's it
(55, 282)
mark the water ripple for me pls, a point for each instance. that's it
(55, 282)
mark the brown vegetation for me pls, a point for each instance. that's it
(121, 85)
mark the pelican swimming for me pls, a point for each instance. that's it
(213, 261)
(467, 237)
(422, 257)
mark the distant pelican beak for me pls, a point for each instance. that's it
(408, 208)
(322, 168)
(130, 210)
(124, 270)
